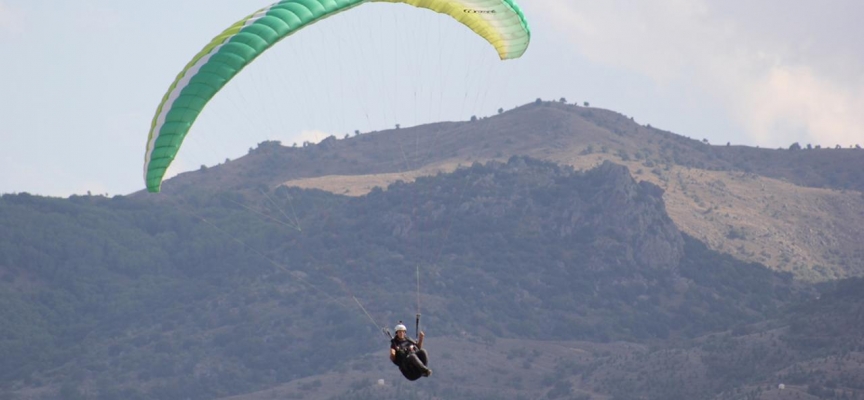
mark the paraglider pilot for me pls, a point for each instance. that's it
(408, 354)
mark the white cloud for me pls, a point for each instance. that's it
(774, 78)
(794, 98)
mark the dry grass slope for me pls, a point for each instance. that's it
(782, 208)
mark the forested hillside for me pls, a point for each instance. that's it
(208, 295)
(798, 209)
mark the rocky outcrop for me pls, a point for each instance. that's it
(603, 210)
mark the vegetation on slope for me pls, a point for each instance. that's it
(204, 295)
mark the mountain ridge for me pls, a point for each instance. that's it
(727, 196)
(601, 262)
(199, 297)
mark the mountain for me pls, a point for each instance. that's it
(799, 211)
(529, 270)
(562, 252)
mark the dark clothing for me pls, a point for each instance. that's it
(414, 366)
(412, 361)
(403, 347)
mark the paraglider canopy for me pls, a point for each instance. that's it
(500, 22)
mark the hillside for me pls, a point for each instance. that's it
(812, 348)
(799, 211)
(199, 297)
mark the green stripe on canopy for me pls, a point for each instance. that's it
(500, 22)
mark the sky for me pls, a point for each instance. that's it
(80, 81)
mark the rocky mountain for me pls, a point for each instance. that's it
(535, 279)
(799, 210)
(562, 252)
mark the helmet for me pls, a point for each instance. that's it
(400, 327)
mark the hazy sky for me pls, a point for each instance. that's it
(80, 81)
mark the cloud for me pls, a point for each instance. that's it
(779, 81)
(795, 98)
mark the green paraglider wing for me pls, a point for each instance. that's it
(500, 22)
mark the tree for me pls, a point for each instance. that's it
(473, 118)
(586, 104)
(562, 100)
(500, 111)
(809, 146)
(356, 132)
(795, 146)
(347, 136)
(623, 155)
(294, 144)
(397, 126)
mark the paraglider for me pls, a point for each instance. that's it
(499, 22)
(409, 355)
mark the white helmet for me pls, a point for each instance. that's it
(400, 327)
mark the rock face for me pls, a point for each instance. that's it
(524, 251)
(635, 213)
(593, 254)
(604, 208)
(758, 205)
